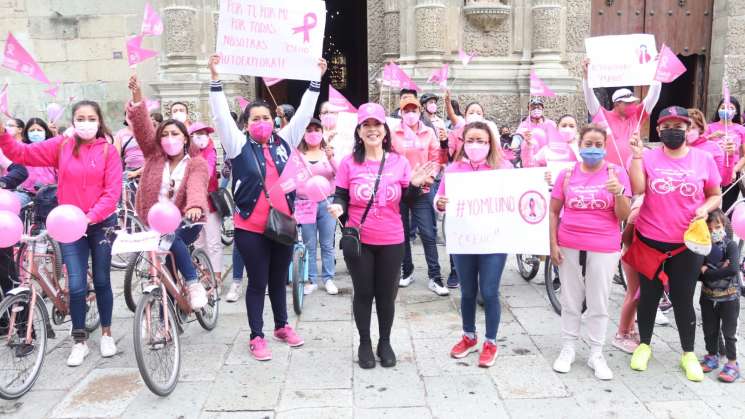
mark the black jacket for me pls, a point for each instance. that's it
(720, 280)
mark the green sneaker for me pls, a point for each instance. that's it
(691, 366)
(640, 358)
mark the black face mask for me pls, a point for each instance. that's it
(673, 138)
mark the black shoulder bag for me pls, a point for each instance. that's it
(280, 227)
(350, 236)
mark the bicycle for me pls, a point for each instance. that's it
(298, 273)
(26, 324)
(227, 231)
(553, 283)
(162, 312)
(528, 266)
(127, 220)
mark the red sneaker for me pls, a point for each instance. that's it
(464, 347)
(488, 355)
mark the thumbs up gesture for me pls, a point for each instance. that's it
(613, 185)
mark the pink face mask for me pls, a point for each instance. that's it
(261, 131)
(313, 138)
(329, 120)
(567, 133)
(411, 118)
(173, 146)
(476, 152)
(692, 136)
(432, 108)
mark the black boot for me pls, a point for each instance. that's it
(386, 354)
(365, 355)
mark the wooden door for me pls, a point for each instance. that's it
(617, 17)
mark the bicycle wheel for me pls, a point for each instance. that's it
(92, 317)
(528, 266)
(207, 316)
(227, 231)
(620, 278)
(553, 285)
(298, 282)
(157, 344)
(49, 250)
(135, 277)
(127, 221)
(21, 361)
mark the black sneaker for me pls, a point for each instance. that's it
(366, 356)
(453, 281)
(23, 350)
(386, 354)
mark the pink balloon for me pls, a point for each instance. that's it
(164, 217)
(317, 188)
(738, 220)
(54, 112)
(11, 229)
(67, 223)
(9, 202)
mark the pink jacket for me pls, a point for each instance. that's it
(426, 146)
(91, 180)
(39, 176)
(210, 154)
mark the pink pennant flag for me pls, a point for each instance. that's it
(152, 105)
(242, 103)
(440, 77)
(294, 174)
(538, 87)
(4, 109)
(135, 53)
(465, 57)
(669, 67)
(152, 24)
(395, 76)
(54, 112)
(271, 81)
(52, 91)
(339, 102)
(16, 58)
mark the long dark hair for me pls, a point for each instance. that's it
(258, 103)
(737, 119)
(40, 122)
(103, 130)
(358, 153)
(181, 127)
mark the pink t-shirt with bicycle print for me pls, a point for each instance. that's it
(383, 224)
(675, 189)
(589, 221)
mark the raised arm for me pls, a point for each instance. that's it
(231, 137)
(653, 95)
(139, 118)
(43, 154)
(593, 104)
(449, 107)
(637, 177)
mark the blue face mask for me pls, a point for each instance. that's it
(37, 136)
(726, 114)
(592, 156)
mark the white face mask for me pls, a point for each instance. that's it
(179, 116)
(86, 130)
(474, 117)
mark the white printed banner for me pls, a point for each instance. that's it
(497, 211)
(145, 241)
(621, 60)
(271, 38)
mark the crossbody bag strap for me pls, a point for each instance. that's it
(374, 192)
(263, 176)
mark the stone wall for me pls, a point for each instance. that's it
(727, 51)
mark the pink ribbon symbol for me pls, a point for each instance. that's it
(531, 204)
(309, 22)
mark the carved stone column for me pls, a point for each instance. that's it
(430, 30)
(392, 29)
(548, 30)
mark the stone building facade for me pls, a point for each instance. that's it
(81, 43)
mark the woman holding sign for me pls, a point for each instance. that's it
(680, 185)
(591, 199)
(259, 156)
(480, 151)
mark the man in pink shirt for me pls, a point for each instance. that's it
(624, 119)
(536, 128)
(419, 144)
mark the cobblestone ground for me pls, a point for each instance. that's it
(322, 379)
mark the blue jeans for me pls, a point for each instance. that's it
(238, 265)
(180, 249)
(423, 216)
(75, 256)
(484, 272)
(323, 230)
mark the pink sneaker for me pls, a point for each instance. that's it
(259, 349)
(625, 343)
(288, 336)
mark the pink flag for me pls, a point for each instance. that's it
(52, 91)
(465, 57)
(669, 67)
(242, 103)
(54, 112)
(152, 24)
(396, 77)
(271, 81)
(135, 53)
(294, 174)
(339, 102)
(538, 87)
(440, 77)
(152, 105)
(4, 101)
(16, 58)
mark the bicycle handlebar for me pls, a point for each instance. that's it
(26, 238)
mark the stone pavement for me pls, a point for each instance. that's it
(322, 380)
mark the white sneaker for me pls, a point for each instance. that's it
(661, 319)
(438, 289)
(309, 288)
(197, 296)
(234, 293)
(108, 346)
(331, 287)
(77, 354)
(597, 363)
(563, 363)
(405, 282)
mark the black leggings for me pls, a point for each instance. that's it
(683, 271)
(375, 274)
(720, 316)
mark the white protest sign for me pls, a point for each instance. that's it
(555, 167)
(343, 141)
(271, 38)
(621, 60)
(145, 241)
(497, 211)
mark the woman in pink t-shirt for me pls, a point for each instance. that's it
(592, 199)
(680, 185)
(480, 151)
(376, 270)
(563, 148)
(727, 130)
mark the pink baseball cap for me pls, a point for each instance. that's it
(199, 126)
(370, 111)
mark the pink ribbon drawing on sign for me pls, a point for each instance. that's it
(309, 22)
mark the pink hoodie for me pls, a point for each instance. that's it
(90, 181)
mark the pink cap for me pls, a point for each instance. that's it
(198, 126)
(370, 111)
